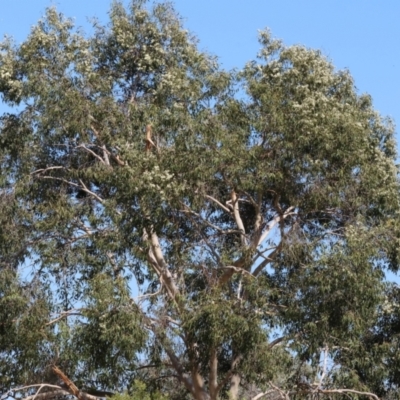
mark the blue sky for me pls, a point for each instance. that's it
(361, 35)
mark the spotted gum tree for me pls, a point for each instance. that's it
(158, 228)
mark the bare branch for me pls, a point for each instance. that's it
(238, 270)
(82, 146)
(340, 391)
(47, 169)
(39, 385)
(214, 253)
(57, 393)
(189, 210)
(90, 192)
(72, 389)
(259, 220)
(261, 395)
(271, 224)
(94, 130)
(267, 260)
(64, 314)
(146, 296)
(276, 342)
(179, 369)
(284, 395)
(238, 218)
(218, 203)
(156, 258)
(84, 188)
(106, 153)
(49, 395)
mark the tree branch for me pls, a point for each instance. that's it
(261, 395)
(178, 368)
(71, 387)
(57, 393)
(238, 218)
(156, 258)
(271, 224)
(82, 146)
(213, 377)
(47, 169)
(84, 188)
(267, 260)
(229, 374)
(64, 314)
(344, 391)
(214, 200)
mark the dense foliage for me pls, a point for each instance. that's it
(172, 230)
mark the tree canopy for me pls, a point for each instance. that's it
(172, 230)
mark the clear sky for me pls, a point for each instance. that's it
(361, 35)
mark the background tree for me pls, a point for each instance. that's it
(158, 228)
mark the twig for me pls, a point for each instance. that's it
(36, 385)
(48, 395)
(146, 296)
(345, 391)
(84, 188)
(64, 314)
(47, 169)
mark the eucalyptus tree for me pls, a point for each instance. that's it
(158, 228)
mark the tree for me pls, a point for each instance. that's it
(158, 228)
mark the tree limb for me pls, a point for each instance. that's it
(71, 387)
(156, 258)
(178, 368)
(82, 146)
(213, 381)
(214, 200)
(238, 218)
(271, 224)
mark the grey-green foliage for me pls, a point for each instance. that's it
(175, 263)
